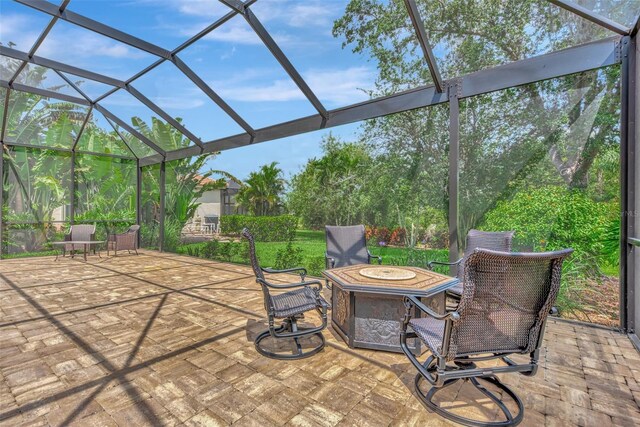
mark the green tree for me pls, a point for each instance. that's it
(185, 183)
(331, 189)
(261, 193)
(546, 133)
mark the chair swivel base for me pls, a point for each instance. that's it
(292, 333)
(509, 419)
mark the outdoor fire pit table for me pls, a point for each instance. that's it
(367, 302)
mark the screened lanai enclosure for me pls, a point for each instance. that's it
(494, 115)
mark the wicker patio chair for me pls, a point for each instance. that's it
(504, 306)
(347, 245)
(494, 240)
(77, 233)
(127, 241)
(290, 305)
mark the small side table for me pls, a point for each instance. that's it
(86, 245)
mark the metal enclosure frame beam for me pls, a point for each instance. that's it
(204, 87)
(163, 179)
(279, 55)
(95, 26)
(454, 172)
(81, 130)
(44, 92)
(592, 16)
(72, 190)
(60, 66)
(138, 198)
(629, 128)
(43, 35)
(5, 115)
(167, 117)
(585, 57)
(74, 86)
(423, 40)
(130, 129)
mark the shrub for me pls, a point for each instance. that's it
(551, 218)
(315, 265)
(172, 234)
(289, 257)
(382, 236)
(280, 228)
(226, 251)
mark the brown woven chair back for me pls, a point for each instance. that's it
(347, 245)
(82, 232)
(505, 301)
(493, 240)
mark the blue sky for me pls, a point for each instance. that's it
(231, 59)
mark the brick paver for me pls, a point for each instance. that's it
(160, 339)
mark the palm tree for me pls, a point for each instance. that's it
(261, 193)
(185, 183)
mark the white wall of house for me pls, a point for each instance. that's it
(209, 203)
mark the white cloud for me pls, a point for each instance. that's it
(235, 31)
(279, 90)
(85, 44)
(203, 8)
(341, 87)
(311, 13)
(178, 102)
(298, 14)
(334, 86)
(18, 29)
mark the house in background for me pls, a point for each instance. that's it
(213, 205)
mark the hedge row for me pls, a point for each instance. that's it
(264, 228)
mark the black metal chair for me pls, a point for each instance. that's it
(493, 240)
(290, 306)
(347, 245)
(504, 306)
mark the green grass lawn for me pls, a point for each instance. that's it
(312, 245)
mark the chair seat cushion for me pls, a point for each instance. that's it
(430, 331)
(295, 302)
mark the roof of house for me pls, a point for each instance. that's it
(205, 180)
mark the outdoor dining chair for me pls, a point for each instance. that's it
(78, 233)
(503, 309)
(347, 245)
(494, 240)
(127, 241)
(297, 299)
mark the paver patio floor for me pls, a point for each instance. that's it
(161, 339)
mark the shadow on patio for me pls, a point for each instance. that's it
(159, 339)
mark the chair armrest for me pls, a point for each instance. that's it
(302, 284)
(330, 262)
(410, 300)
(302, 271)
(430, 264)
(371, 256)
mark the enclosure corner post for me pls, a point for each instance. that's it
(139, 198)
(629, 221)
(454, 169)
(72, 188)
(162, 205)
(1, 199)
